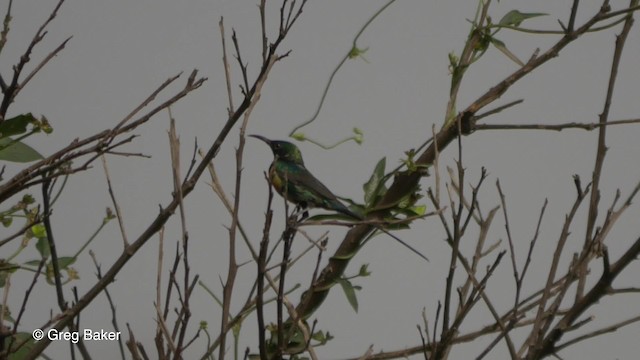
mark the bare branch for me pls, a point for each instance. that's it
(556, 127)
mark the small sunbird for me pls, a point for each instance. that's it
(295, 183)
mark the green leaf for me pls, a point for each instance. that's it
(358, 136)
(356, 52)
(39, 231)
(515, 17)
(4, 265)
(408, 212)
(66, 261)
(27, 343)
(419, 210)
(372, 187)
(16, 151)
(321, 337)
(364, 270)
(296, 343)
(7, 316)
(28, 199)
(16, 125)
(353, 206)
(43, 247)
(33, 262)
(5, 270)
(350, 292)
(6, 221)
(299, 136)
(503, 48)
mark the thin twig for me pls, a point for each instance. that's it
(227, 67)
(554, 127)
(114, 202)
(10, 91)
(112, 306)
(46, 219)
(609, 329)
(354, 45)
(602, 146)
(262, 265)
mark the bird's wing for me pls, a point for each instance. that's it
(303, 181)
(303, 187)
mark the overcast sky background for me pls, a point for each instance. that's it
(122, 50)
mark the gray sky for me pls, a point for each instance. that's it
(122, 50)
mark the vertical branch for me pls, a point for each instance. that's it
(602, 147)
(262, 269)
(512, 250)
(3, 38)
(263, 28)
(158, 302)
(572, 17)
(62, 304)
(227, 68)
(233, 266)
(112, 306)
(542, 315)
(162, 333)
(466, 59)
(113, 200)
(23, 308)
(457, 235)
(532, 245)
(287, 237)
(185, 312)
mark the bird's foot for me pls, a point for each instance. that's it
(300, 213)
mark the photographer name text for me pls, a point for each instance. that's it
(75, 336)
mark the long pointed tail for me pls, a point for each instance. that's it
(339, 207)
(402, 242)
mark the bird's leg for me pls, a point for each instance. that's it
(301, 211)
(297, 210)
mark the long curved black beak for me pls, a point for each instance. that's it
(262, 138)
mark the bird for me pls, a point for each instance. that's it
(296, 184)
(291, 179)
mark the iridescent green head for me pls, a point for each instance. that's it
(283, 150)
